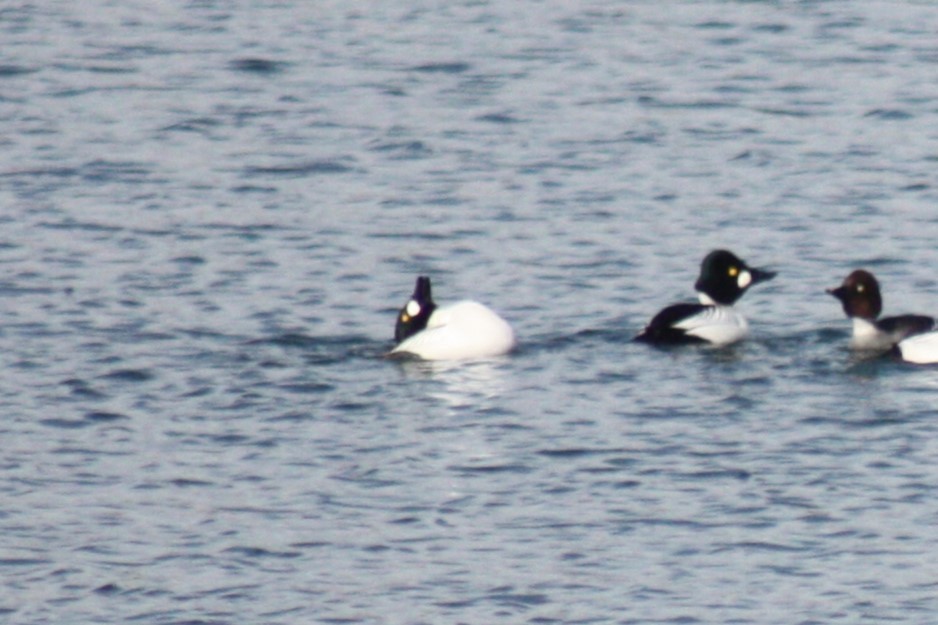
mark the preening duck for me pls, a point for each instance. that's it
(459, 331)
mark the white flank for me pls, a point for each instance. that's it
(921, 349)
(460, 331)
(866, 336)
(720, 325)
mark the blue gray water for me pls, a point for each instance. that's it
(212, 210)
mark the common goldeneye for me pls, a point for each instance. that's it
(723, 280)
(457, 331)
(908, 334)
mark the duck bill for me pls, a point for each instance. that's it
(760, 275)
(839, 293)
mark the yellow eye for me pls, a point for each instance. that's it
(405, 317)
(734, 271)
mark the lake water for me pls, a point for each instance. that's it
(212, 210)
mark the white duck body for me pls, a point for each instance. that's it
(920, 349)
(460, 331)
(716, 324)
(867, 337)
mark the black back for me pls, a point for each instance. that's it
(660, 330)
(904, 326)
(409, 324)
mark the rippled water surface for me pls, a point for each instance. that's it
(212, 210)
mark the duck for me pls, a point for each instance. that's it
(723, 279)
(911, 336)
(460, 331)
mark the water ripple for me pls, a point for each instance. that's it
(208, 215)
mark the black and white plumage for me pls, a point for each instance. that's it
(910, 335)
(458, 331)
(723, 279)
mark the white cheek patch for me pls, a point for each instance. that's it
(413, 308)
(744, 279)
